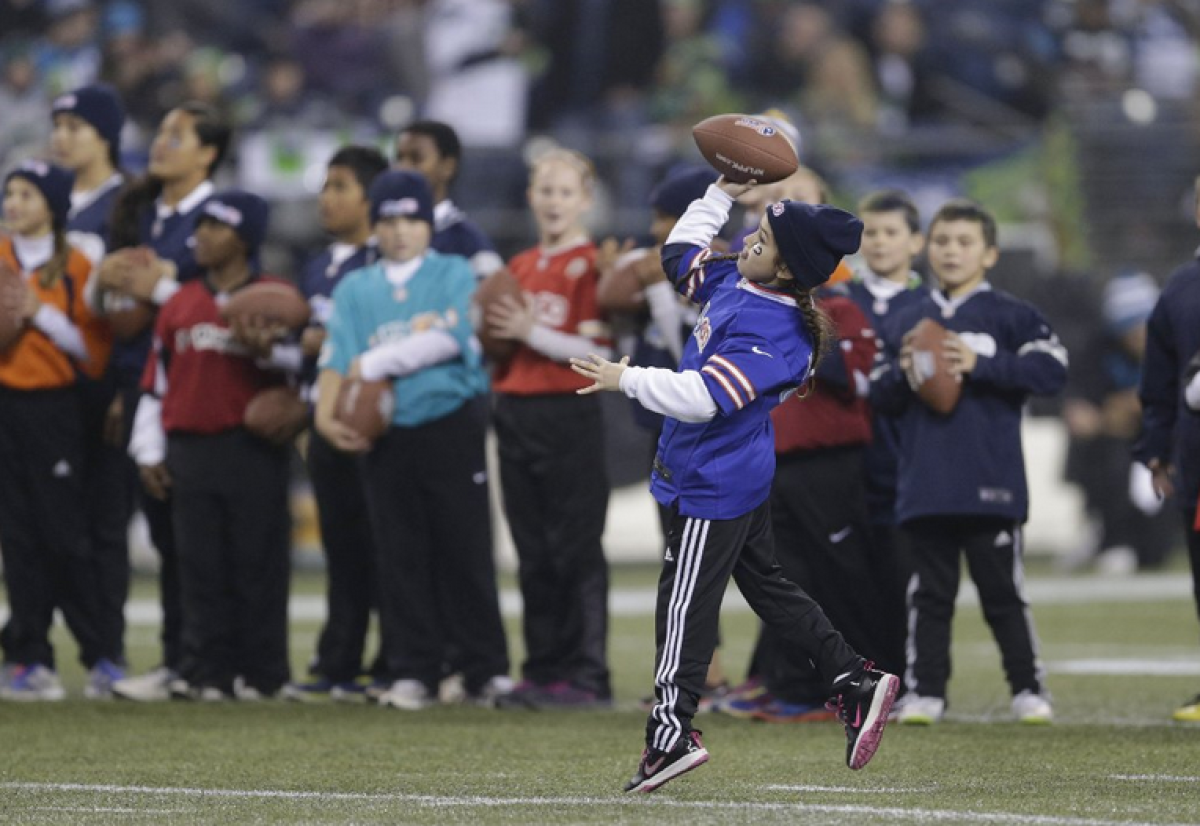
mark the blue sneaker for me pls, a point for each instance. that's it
(315, 687)
(101, 678)
(33, 683)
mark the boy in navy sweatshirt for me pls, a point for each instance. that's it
(961, 483)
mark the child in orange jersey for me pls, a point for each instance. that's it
(43, 530)
(552, 447)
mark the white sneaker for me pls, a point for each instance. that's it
(494, 688)
(1032, 709)
(33, 683)
(922, 711)
(407, 695)
(151, 687)
(452, 690)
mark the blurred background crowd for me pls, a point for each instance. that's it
(1075, 121)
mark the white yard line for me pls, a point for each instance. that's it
(1155, 778)
(893, 813)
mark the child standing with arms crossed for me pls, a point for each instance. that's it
(555, 487)
(757, 340)
(47, 556)
(1003, 351)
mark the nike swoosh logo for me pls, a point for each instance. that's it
(857, 718)
(760, 351)
(840, 535)
(652, 768)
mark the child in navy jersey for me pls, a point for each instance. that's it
(336, 476)
(961, 485)
(433, 149)
(151, 257)
(229, 487)
(756, 342)
(87, 140)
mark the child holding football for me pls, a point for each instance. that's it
(757, 340)
(406, 318)
(961, 484)
(551, 444)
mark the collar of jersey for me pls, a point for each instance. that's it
(769, 293)
(82, 200)
(952, 304)
(550, 252)
(880, 287)
(445, 215)
(400, 273)
(190, 201)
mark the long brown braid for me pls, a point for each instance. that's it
(56, 267)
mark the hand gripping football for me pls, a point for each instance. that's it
(929, 375)
(271, 301)
(12, 298)
(365, 407)
(276, 414)
(743, 148)
(499, 284)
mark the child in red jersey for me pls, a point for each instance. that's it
(229, 488)
(555, 488)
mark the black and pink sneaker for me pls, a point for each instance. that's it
(659, 767)
(862, 704)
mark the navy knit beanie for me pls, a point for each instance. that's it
(246, 212)
(813, 238)
(99, 106)
(401, 193)
(55, 184)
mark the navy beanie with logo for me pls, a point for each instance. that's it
(99, 106)
(682, 186)
(401, 193)
(55, 184)
(246, 212)
(813, 238)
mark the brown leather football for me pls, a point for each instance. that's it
(276, 414)
(365, 407)
(12, 296)
(743, 148)
(499, 284)
(620, 288)
(935, 385)
(271, 301)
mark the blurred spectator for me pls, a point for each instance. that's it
(812, 62)
(591, 93)
(1098, 55)
(341, 53)
(1165, 62)
(25, 126)
(23, 18)
(903, 66)
(476, 84)
(69, 56)
(693, 82)
(1103, 415)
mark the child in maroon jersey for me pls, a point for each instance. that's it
(229, 487)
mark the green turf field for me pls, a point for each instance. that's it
(1120, 656)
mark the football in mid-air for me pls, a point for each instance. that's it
(743, 148)
(935, 385)
(276, 414)
(499, 284)
(12, 296)
(271, 301)
(365, 407)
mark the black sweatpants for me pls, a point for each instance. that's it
(233, 528)
(994, 552)
(823, 543)
(161, 524)
(351, 589)
(556, 499)
(48, 560)
(427, 494)
(702, 554)
(110, 482)
(1193, 546)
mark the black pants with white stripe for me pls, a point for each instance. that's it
(702, 555)
(994, 559)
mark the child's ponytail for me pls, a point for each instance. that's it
(56, 267)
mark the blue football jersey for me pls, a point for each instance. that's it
(752, 348)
